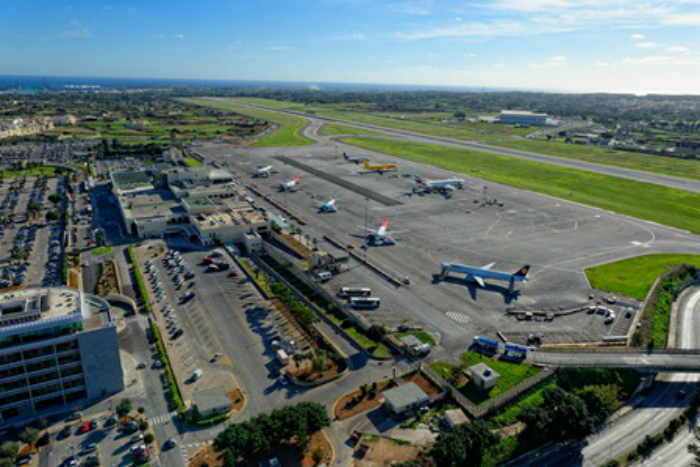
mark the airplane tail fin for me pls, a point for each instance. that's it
(522, 272)
(365, 164)
(297, 179)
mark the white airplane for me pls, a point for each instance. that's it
(381, 235)
(475, 274)
(446, 186)
(328, 206)
(290, 185)
(263, 172)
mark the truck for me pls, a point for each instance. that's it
(485, 343)
(282, 357)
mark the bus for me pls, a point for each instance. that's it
(347, 292)
(364, 302)
(486, 344)
(515, 352)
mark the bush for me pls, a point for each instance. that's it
(169, 376)
(148, 438)
(140, 284)
(317, 456)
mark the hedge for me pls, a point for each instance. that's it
(169, 376)
(140, 284)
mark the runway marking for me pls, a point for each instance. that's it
(459, 317)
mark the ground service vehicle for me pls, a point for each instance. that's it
(365, 302)
(347, 292)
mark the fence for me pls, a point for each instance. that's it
(479, 411)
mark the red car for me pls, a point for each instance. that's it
(85, 427)
(233, 273)
(208, 260)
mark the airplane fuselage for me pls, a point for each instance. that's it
(478, 275)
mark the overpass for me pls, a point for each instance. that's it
(661, 361)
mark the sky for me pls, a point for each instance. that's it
(636, 46)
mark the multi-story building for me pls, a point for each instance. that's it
(58, 347)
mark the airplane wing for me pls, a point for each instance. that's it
(479, 280)
(397, 232)
(488, 266)
(365, 228)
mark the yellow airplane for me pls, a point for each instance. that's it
(381, 168)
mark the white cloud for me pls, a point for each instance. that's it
(469, 55)
(77, 30)
(550, 62)
(179, 36)
(412, 7)
(661, 60)
(646, 45)
(682, 20)
(637, 37)
(678, 50)
(496, 28)
(278, 48)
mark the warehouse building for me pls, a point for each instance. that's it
(522, 118)
(58, 348)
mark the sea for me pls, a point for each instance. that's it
(33, 84)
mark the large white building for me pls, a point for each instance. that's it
(203, 204)
(522, 117)
(58, 347)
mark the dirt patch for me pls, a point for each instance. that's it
(375, 451)
(354, 403)
(237, 400)
(107, 282)
(320, 445)
(208, 455)
(304, 370)
(429, 388)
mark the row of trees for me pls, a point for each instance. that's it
(9, 450)
(263, 433)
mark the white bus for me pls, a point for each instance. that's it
(364, 302)
(347, 292)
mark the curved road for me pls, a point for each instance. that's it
(639, 175)
(656, 410)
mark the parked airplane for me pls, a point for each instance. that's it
(355, 160)
(381, 235)
(328, 206)
(475, 274)
(381, 168)
(443, 186)
(290, 185)
(263, 172)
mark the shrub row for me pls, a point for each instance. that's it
(140, 284)
(169, 376)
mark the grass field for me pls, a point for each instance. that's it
(192, 162)
(677, 208)
(634, 277)
(332, 129)
(32, 172)
(511, 375)
(429, 123)
(288, 135)
(103, 250)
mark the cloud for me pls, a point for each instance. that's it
(682, 20)
(551, 62)
(678, 50)
(278, 48)
(662, 60)
(493, 29)
(637, 37)
(412, 7)
(646, 45)
(179, 36)
(76, 30)
(357, 36)
(469, 55)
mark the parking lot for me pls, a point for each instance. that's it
(30, 247)
(478, 225)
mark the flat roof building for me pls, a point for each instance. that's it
(58, 347)
(482, 376)
(211, 402)
(454, 417)
(405, 398)
(522, 117)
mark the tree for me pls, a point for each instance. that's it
(55, 198)
(7, 462)
(317, 456)
(364, 389)
(52, 216)
(465, 445)
(123, 407)
(9, 450)
(694, 448)
(29, 436)
(141, 410)
(561, 416)
(376, 332)
(148, 438)
(601, 401)
(143, 426)
(319, 364)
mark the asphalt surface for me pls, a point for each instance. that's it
(657, 179)
(558, 238)
(653, 362)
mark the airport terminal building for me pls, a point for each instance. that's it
(58, 347)
(202, 204)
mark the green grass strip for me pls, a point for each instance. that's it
(634, 277)
(140, 284)
(670, 206)
(192, 162)
(169, 375)
(288, 135)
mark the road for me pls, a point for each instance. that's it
(651, 414)
(649, 177)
